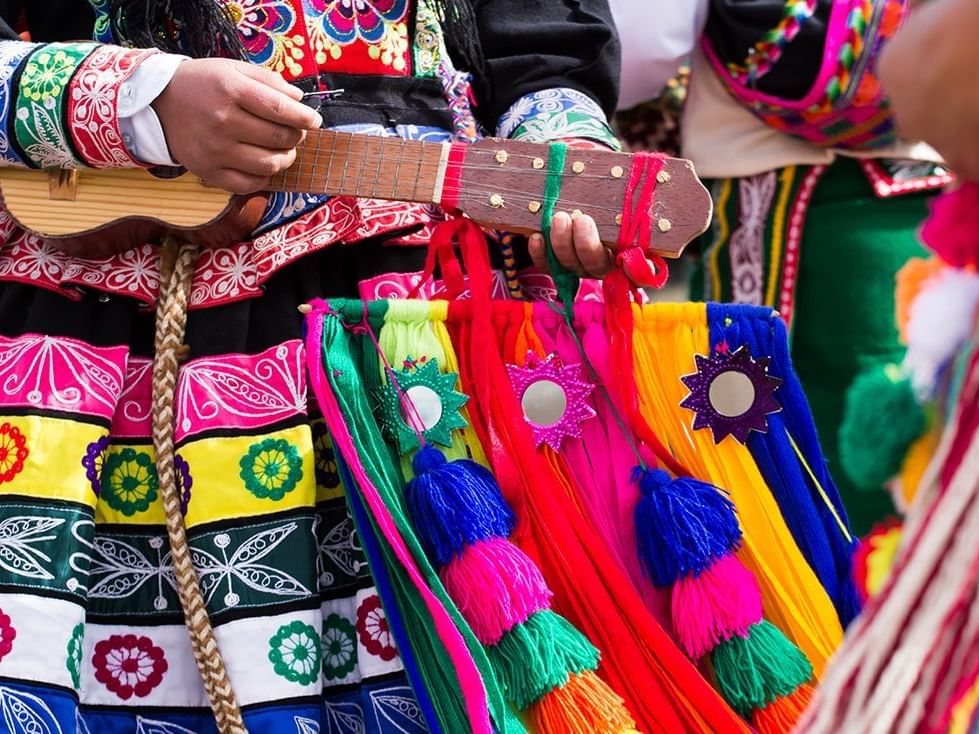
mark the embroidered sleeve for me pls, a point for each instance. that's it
(554, 114)
(61, 104)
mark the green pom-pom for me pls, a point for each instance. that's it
(539, 655)
(754, 671)
(881, 420)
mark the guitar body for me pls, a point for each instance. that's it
(78, 211)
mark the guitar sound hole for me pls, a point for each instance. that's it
(167, 172)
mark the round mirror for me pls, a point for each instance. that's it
(544, 403)
(732, 393)
(427, 408)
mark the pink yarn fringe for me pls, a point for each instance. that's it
(496, 586)
(721, 602)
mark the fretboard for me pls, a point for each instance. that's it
(366, 166)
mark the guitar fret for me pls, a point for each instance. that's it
(312, 174)
(397, 168)
(329, 167)
(346, 163)
(377, 168)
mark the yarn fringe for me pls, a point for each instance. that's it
(682, 526)
(720, 603)
(539, 655)
(454, 504)
(781, 716)
(754, 671)
(496, 586)
(584, 705)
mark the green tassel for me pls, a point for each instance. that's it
(755, 670)
(538, 655)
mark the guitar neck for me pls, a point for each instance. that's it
(366, 166)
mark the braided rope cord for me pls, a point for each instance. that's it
(176, 270)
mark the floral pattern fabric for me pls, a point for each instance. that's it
(88, 584)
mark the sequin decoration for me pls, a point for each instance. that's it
(731, 393)
(553, 397)
(431, 404)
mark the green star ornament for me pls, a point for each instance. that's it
(436, 405)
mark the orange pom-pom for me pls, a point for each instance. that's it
(583, 705)
(912, 280)
(781, 716)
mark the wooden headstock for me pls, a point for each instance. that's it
(502, 185)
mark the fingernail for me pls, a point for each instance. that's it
(535, 240)
(560, 222)
(318, 120)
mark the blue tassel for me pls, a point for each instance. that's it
(455, 504)
(682, 525)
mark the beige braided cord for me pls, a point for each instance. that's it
(176, 271)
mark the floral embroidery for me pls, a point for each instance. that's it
(130, 481)
(372, 628)
(551, 114)
(325, 459)
(381, 24)
(339, 647)
(7, 635)
(47, 74)
(129, 665)
(94, 461)
(39, 120)
(296, 652)
(184, 481)
(74, 659)
(269, 33)
(271, 468)
(13, 452)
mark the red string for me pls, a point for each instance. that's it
(441, 249)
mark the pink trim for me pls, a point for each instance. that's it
(241, 391)
(133, 417)
(884, 188)
(470, 681)
(59, 374)
(835, 36)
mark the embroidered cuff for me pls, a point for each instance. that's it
(552, 114)
(100, 97)
(41, 106)
(12, 55)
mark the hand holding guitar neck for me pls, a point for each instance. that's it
(234, 125)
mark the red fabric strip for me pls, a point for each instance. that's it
(452, 185)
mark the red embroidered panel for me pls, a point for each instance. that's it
(360, 36)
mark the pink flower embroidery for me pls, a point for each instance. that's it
(372, 628)
(7, 635)
(127, 665)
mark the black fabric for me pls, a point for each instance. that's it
(243, 327)
(531, 45)
(384, 100)
(51, 20)
(735, 26)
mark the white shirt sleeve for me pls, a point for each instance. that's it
(141, 129)
(657, 36)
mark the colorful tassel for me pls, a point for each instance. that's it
(722, 602)
(496, 586)
(687, 526)
(455, 504)
(688, 532)
(781, 715)
(754, 671)
(545, 664)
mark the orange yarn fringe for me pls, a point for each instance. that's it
(781, 716)
(583, 705)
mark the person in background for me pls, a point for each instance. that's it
(812, 218)
(928, 73)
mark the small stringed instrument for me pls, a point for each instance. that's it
(498, 183)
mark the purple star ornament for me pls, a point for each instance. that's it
(553, 397)
(732, 394)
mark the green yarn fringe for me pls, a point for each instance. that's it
(754, 671)
(539, 655)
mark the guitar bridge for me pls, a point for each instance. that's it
(63, 184)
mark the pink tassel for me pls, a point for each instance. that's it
(721, 602)
(496, 586)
